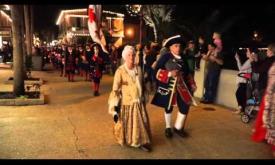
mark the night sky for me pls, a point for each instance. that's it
(244, 18)
(236, 22)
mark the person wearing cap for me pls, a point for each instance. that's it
(127, 104)
(164, 77)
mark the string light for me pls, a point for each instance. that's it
(80, 34)
(110, 12)
(76, 15)
(133, 10)
(114, 18)
(6, 15)
(68, 11)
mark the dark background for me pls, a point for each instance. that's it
(236, 22)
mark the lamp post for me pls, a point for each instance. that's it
(135, 10)
(140, 28)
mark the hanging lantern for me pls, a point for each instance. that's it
(133, 10)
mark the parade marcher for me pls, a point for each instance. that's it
(84, 64)
(78, 51)
(127, 104)
(61, 62)
(114, 58)
(96, 69)
(174, 81)
(89, 56)
(70, 63)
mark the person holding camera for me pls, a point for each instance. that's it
(127, 104)
(242, 82)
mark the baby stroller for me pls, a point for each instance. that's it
(253, 98)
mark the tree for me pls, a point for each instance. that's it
(28, 29)
(18, 65)
(31, 24)
(157, 16)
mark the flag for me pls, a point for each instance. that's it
(95, 31)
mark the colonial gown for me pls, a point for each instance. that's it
(133, 127)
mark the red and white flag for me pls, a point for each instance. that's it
(95, 30)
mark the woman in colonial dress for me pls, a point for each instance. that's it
(127, 105)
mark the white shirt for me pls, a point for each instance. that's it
(245, 68)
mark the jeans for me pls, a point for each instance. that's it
(241, 95)
(210, 85)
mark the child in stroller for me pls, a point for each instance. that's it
(253, 98)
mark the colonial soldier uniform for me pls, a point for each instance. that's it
(70, 63)
(173, 90)
(96, 70)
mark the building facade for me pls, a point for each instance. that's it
(73, 26)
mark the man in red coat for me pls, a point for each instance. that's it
(174, 81)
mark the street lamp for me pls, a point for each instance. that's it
(130, 32)
(135, 10)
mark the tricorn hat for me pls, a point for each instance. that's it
(173, 40)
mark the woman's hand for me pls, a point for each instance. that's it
(193, 88)
(115, 118)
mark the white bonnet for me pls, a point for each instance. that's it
(126, 51)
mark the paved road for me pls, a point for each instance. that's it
(75, 125)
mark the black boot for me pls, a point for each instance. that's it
(181, 133)
(146, 148)
(96, 93)
(168, 133)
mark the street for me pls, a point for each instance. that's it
(73, 124)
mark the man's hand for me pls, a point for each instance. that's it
(174, 73)
(212, 58)
(254, 56)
